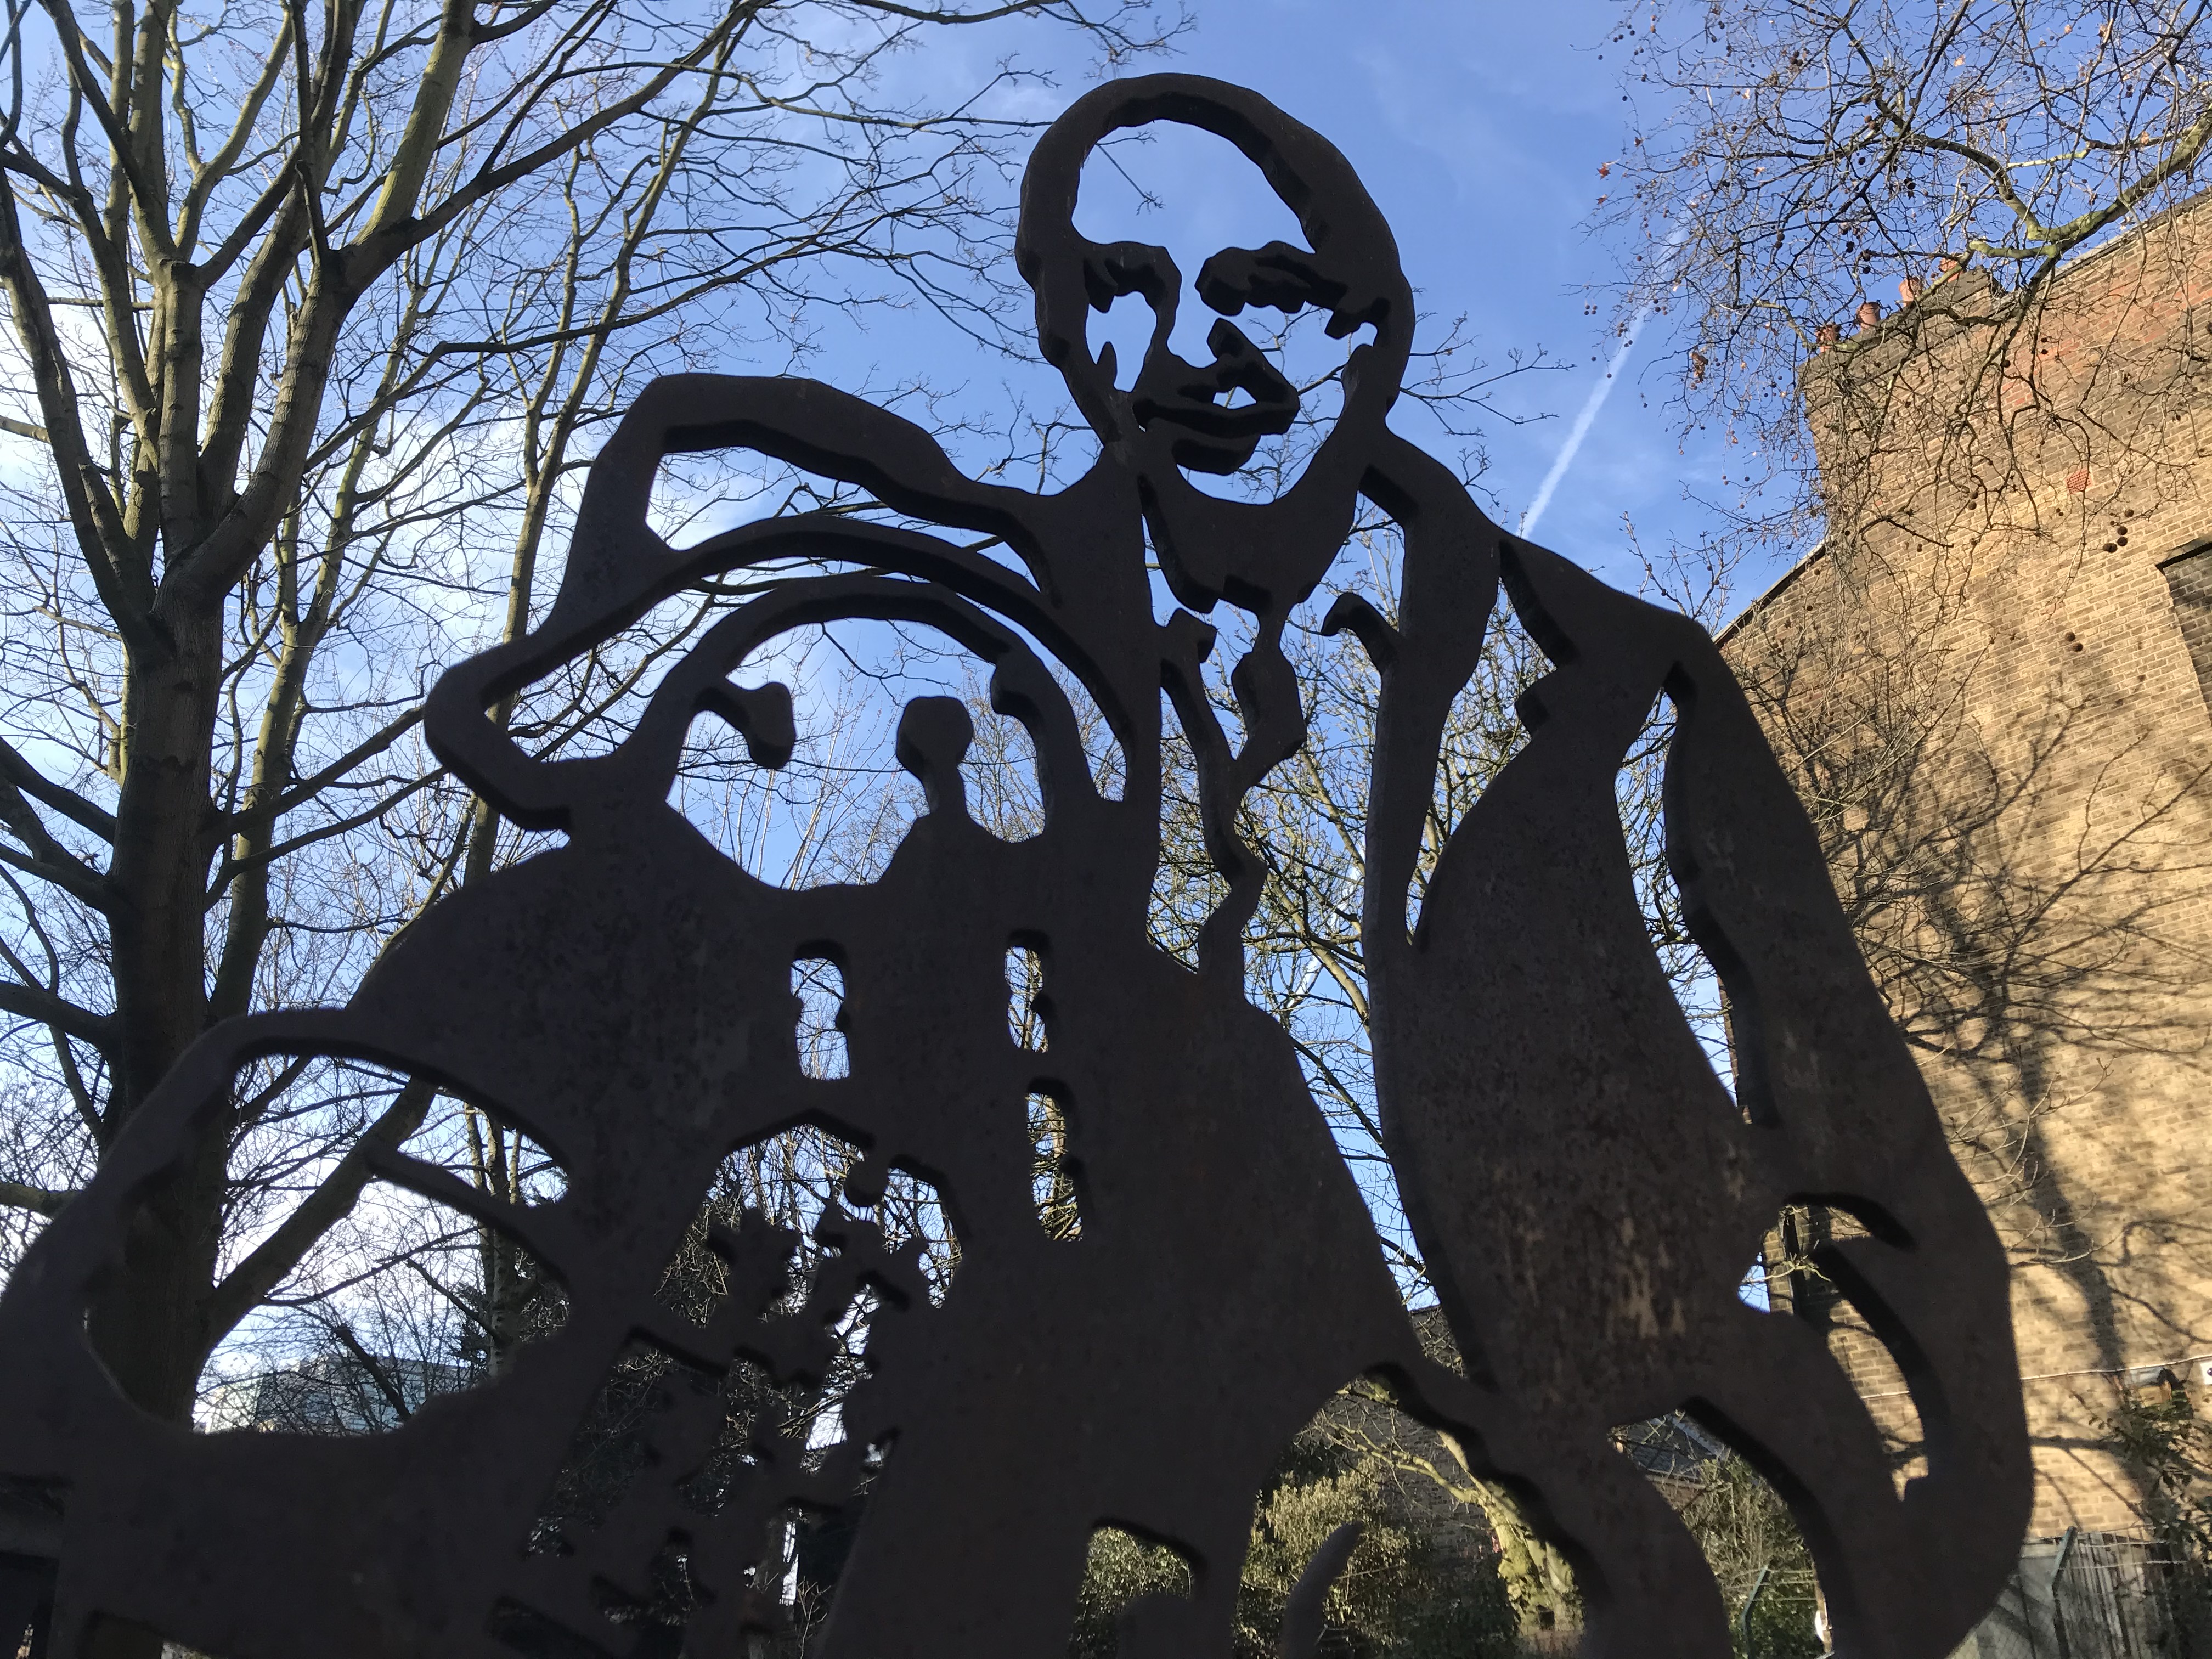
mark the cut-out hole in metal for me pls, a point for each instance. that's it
(818, 984)
(1053, 1188)
(1025, 998)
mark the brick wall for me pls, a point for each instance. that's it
(1991, 684)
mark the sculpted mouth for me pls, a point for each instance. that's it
(1253, 420)
(1222, 437)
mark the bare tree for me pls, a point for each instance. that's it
(1789, 162)
(2020, 880)
(313, 315)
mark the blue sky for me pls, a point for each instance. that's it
(1480, 130)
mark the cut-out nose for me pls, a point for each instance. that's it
(1186, 394)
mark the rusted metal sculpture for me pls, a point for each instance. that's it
(1587, 1196)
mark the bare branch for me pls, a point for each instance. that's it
(271, 1261)
(29, 1002)
(37, 1199)
(17, 773)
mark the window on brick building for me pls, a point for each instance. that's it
(2189, 582)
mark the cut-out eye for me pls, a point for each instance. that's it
(818, 984)
(1026, 1008)
(1053, 1169)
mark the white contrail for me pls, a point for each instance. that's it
(1592, 404)
(1580, 430)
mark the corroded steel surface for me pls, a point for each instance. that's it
(1587, 1195)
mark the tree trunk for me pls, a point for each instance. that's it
(147, 1319)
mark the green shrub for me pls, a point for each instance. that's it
(1405, 1593)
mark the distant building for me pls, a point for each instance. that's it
(336, 1394)
(1993, 685)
